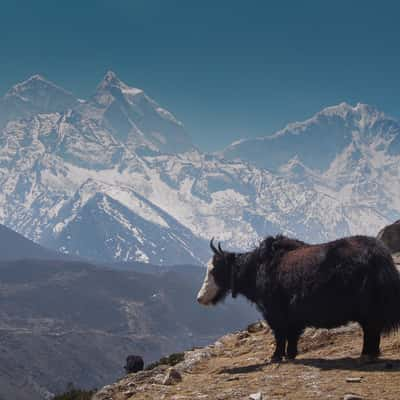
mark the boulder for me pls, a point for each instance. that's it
(390, 235)
(172, 378)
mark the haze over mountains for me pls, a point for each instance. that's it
(117, 178)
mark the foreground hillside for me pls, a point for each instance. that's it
(236, 367)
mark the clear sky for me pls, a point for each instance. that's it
(228, 69)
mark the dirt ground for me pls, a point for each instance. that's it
(327, 367)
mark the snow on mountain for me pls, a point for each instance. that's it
(33, 96)
(317, 141)
(126, 225)
(115, 177)
(349, 153)
(135, 118)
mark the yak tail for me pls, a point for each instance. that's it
(387, 285)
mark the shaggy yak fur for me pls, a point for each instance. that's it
(296, 285)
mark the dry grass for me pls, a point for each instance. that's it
(239, 367)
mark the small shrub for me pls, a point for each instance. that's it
(75, 394)
(170, 360)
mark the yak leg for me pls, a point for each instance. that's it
(292, 339)
(278, 322)
(280, 345)
(372, 339)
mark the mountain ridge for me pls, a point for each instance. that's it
(300, 185)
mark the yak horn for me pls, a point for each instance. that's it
(213, 248)
(219, 248)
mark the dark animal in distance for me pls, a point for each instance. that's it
(297, 285)
(134, 364)
(390, 235)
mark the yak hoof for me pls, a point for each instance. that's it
(275, 359)
(367, 359)
(291, 357)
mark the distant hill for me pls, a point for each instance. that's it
(14, 246)
(63, 321)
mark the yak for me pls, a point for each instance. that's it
(297, 285)
(134, 364)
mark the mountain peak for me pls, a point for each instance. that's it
(341, 109)
(32, 82)
(345, 109)
(110, 75)
(111, 80)
(37, 77)
(36, 95)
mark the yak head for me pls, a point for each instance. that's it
(219, 279)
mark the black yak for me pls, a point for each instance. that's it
(297, 285)
(133, 364)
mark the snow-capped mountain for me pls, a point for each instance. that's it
(135, 119)
(33, 96)
(349, 153)
(127, 226)
(116, 177)
(317, 141)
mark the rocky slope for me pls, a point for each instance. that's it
(122, 169)
(237, 367)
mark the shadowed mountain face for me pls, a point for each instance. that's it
(14, 246)
(64, 322)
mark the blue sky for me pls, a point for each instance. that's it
(227, 69)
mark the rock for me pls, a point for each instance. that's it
(158, 379)
(390, 235)
(353, 379)
(192, 358)
(256, 327)
(256, 396)
(172, 378)
(352, 397)
(129, 393)
(242, 335)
